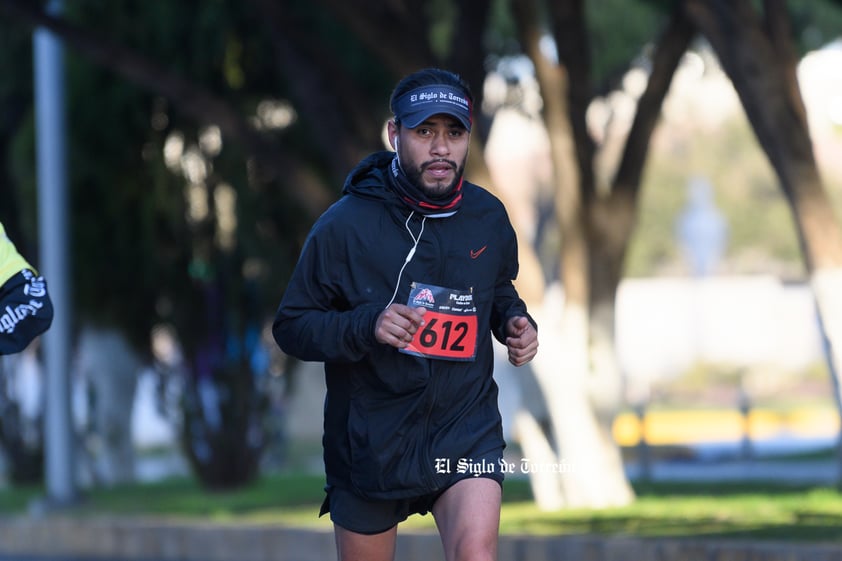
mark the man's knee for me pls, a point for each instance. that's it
(475, 546)
(352, 546)
(468, 516)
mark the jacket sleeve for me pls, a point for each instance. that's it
(26, 311)
(314, 321)
(507, 302)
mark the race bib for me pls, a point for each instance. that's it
(450, 323)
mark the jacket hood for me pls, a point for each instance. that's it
(369, 179)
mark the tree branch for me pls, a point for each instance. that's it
(195, 102)
(571, 37)
(751, 62)
(553, 83)
(322, 91)
(396, 34)
(466, 50)
(779, 30)
(667, 54)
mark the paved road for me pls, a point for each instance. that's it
(30, 558)
(824, 472)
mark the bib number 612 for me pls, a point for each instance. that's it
(447, 336)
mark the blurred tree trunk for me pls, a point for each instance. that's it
(583, 385)
(610, 221)
(562, 366)
(107, 366)
(563, 369)
(21, 434)
(612, 216)
(757, 53)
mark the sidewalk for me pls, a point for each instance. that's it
(817, 472)
(156, 540)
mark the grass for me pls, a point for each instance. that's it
(718, 510)
(721, 510)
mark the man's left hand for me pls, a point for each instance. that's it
(522, 340)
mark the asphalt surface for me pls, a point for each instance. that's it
(19, 558)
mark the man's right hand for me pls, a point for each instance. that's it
(397, 324)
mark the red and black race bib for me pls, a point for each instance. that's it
(450, 323)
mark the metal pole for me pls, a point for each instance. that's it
(53, 234)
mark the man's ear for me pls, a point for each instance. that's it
(393, 134)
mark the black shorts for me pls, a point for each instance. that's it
(364, 516)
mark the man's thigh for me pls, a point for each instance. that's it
(365, 530)
(468, 519)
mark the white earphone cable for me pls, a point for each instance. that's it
(409, 255)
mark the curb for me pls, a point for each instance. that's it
(134, 539)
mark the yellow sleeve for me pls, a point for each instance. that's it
(11, 262)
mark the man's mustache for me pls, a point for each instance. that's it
(439, 161)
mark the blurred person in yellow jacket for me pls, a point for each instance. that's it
(25, 307)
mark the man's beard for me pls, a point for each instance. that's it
(437, 192)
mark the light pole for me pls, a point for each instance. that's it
(53, 235)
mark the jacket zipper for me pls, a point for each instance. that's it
(429, 470)
(440, 281)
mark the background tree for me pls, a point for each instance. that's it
(210, 269)
(235, 125)
(21, 444)
(595, 217)
(596, 212)
(758, 53)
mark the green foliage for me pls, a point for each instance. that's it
(619, 31)
(719, 510)
(618, 35)
(815, 23)
(501, 37)
(442, 13)
(16, 499)
(128, 208)
(17, 213)
(113, 216)
(760, 511)
(133, 248)
(188, 498)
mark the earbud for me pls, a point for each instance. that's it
(396, 143)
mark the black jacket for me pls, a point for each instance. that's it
(390, 416)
